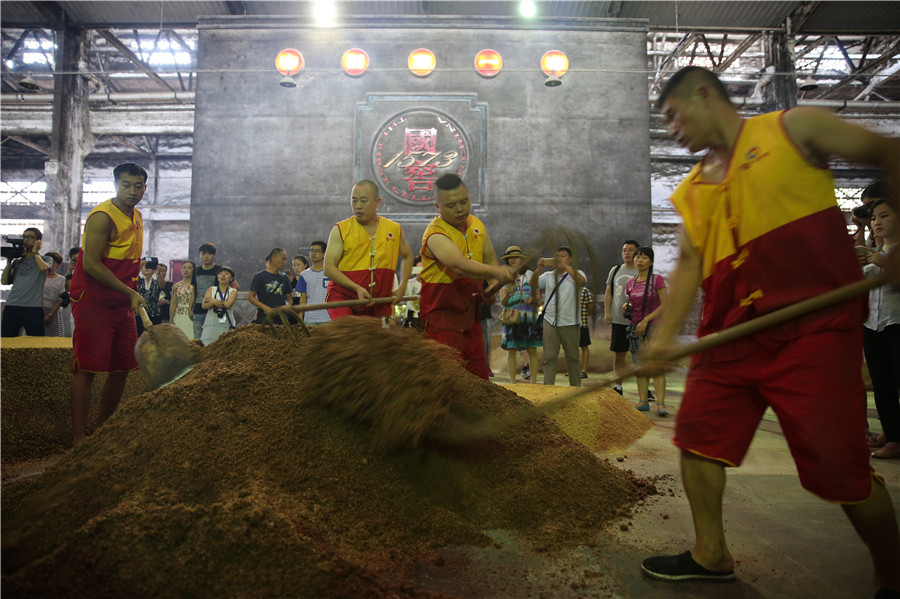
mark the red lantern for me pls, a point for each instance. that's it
(421, 62)
(355, 62)
(488, 62)
(289, 62)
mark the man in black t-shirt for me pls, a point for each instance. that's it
(270, 288)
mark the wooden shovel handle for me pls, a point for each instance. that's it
(144, 318)
(779, 316)
(349, 303)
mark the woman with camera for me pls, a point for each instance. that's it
(218, 303)
(881, 340)
(646, 299)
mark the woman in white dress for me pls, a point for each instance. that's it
(183, 300)
(219, 300)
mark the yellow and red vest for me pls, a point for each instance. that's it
(370, 262)
(448, 301)
(770, 234)
(122, 256)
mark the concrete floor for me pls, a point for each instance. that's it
(788, 543)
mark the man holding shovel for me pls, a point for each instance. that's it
(764, 188)
(362, 256)
(457, 255)
(104, 299)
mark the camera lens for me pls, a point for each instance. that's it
(861, 211)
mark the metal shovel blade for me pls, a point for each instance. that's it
(164, 353)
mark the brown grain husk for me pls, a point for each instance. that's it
(242, 480)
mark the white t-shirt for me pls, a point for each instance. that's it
(314, 284)
(565, 298)
(618, 291)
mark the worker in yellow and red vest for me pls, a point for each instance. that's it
(104, 297)
(760, 197)
(456, 256)
(361, 258)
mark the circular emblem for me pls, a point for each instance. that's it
(413, 149)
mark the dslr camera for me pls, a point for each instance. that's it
(151, 262)
(628, 311)
(862, 211)
(15, 248)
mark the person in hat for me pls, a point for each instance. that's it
(520, 301)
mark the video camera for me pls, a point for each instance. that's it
(151, 262)
(14, 250)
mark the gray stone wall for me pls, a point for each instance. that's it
(274, 166)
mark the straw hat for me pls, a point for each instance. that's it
(513, 251)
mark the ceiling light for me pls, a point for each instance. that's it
(808, 84)
(527, 9)
(29, 83)
(325, 13)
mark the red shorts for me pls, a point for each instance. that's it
(813, 384)
(104, 338)
(469, 344)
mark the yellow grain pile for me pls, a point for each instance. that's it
(601, 420)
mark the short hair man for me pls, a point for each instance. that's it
(763, 186)
(314, 284)
(206, 275)
(361, 260)
(270, 288)
(612, 306)
(457, 255)
(562, 314)
(24, 305)
(104, 299)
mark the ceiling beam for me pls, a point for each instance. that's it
(116, 43)
(870, 68)
(748, 41)
(30, 144)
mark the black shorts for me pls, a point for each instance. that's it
(585, 337)
(618, 339)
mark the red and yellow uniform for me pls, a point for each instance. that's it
(105, 331)
(769, 235)
(368, 261)
(449, 303)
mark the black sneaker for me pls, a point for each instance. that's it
(584, 375)
(681, 567)
(618, 389)
(526, 373)
(650, 395)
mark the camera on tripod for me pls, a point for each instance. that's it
(14, 250)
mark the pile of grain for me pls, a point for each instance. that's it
(240, 480)
(35, 380)
(601, 420)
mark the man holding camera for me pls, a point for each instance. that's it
(104, 299)
(26, 273)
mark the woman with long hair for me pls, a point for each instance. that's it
(183, 299)
(881, 331)
(54, 285)
(646, 298)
